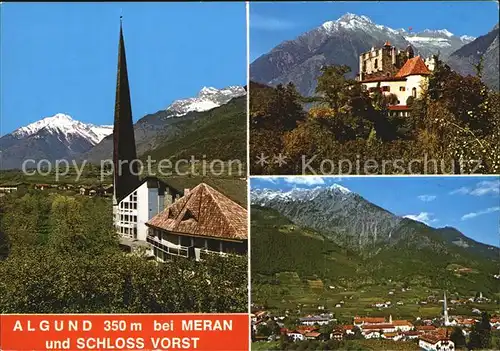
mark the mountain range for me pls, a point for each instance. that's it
(335, 235)
(341, 42)
(468, 55)
(351, 221)
(62, 137)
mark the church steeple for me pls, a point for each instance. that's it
(445, 311)
(126, 177)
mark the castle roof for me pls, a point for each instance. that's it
(204, 211)
(413, 66)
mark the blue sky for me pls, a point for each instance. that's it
(469, 204)
(272, 23)
(62, 57)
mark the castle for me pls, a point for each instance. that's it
(396, 72)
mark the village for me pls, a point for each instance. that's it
(427, 333)
(105, 190)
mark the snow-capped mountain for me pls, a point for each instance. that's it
(433, 41)
(207, 99)
(152, 130)
(62, 123)
(351, 221)
(341, 42)
(51, 138)
(263, 196)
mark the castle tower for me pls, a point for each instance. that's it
(126, 177)
(445, 311)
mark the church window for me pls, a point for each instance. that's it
(188, 215)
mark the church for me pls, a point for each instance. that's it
(395, 72)
(155, 218)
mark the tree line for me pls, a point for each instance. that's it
(455, 121)
(60, 254)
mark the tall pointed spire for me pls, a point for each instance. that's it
(126, 176)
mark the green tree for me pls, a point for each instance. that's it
(458, 338)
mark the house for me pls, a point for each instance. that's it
(313, 320)
(434, 342)
(295, 335)
(392, 336)
(402, 325)
(348, 329)
(135, 209)
(383, 328)
(411, 335)
(337, 335)
(201, 222)
(42, 186)
(314, 335)
(11, 187)
(359, 321)
(372, 335)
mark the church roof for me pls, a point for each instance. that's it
(413, 66)
(126, 177)
(399, 108)
(204, 211)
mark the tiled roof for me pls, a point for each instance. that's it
(401, 322)
(377, 326)
(412, 67)
(369, 319)
(399, 108)
(313, 334)
(433, 338)
(204, 211)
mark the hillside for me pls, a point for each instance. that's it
(464, 59)
(218, 134)
(156, 130)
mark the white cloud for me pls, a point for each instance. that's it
(424, 217)
(484, 187)
(479, 213)
(258, 21)
(273, 180)
(427, 198)
(305, 180)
